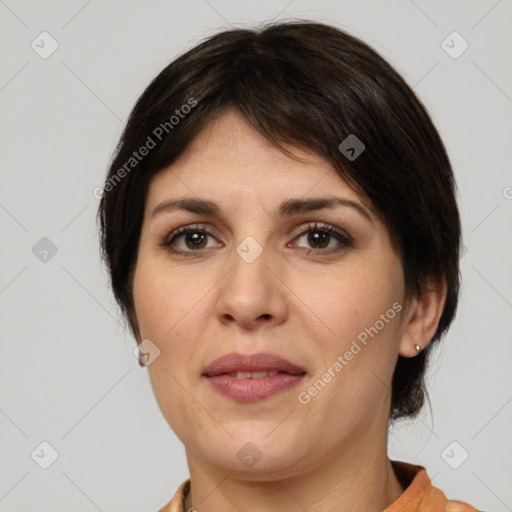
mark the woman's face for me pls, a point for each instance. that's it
(256, 278)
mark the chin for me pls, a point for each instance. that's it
(252, 455)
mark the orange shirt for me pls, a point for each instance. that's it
(419, 496)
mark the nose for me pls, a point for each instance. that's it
(252, 294)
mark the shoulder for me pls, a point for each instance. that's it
(420, 494)
(459, 506)
(177, 501)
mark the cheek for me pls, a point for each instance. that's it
(350, 302)
(164, 300)
(172, 311)
(357, 354)
(354, 315)
(169, 318)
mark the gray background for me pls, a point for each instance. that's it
(68, 374)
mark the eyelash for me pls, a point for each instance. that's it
(344, 238)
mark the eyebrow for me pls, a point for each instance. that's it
(286, 208)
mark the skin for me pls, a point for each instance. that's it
(328, 454)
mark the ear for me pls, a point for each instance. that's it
(134, 324)
(422, 319)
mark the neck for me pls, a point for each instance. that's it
(357, 479)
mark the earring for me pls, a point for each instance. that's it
(418, 348)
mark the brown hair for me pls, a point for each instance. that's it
(309, 85)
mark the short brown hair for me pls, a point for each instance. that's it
(309, 85)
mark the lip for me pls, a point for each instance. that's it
(250, 389)
(236, 362)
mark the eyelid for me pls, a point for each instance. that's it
(189, 228)
(324, 226)
(342, 236)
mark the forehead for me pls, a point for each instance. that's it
(230, 159)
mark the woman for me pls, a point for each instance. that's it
(282, 234)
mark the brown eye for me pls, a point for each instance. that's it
(188, 240)
(319, 237)
(197, 240)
